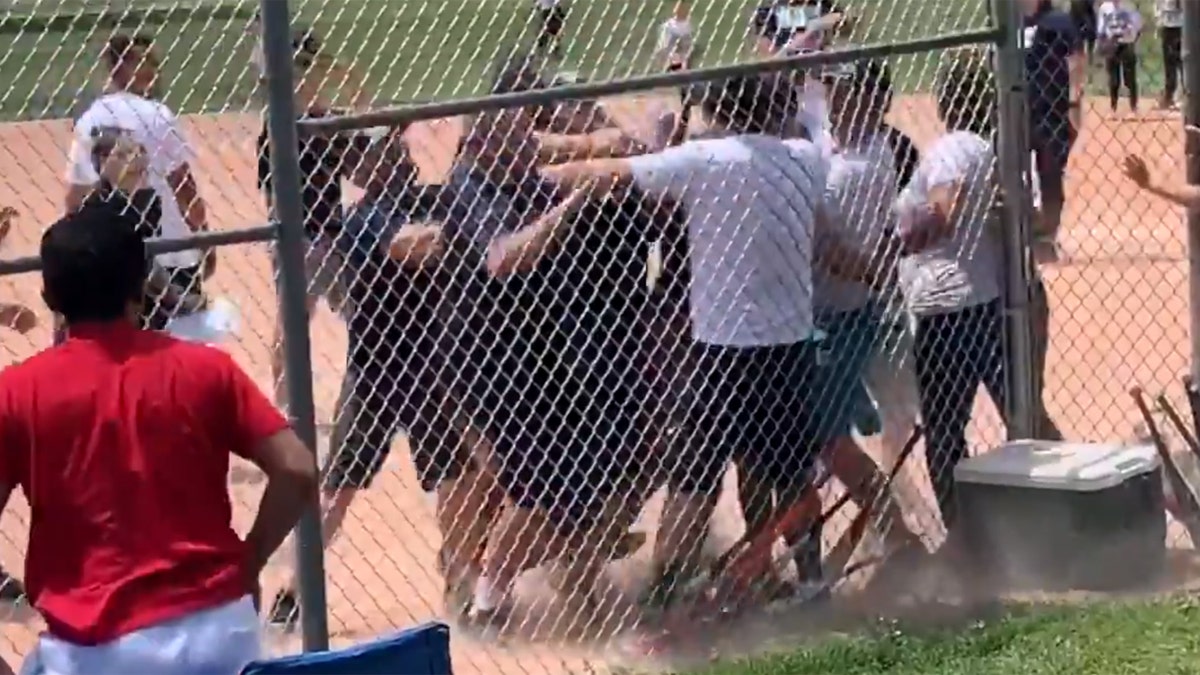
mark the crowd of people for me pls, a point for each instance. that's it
(816, 281)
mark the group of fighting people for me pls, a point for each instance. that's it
(504, 319)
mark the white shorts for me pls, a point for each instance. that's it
(218, 641)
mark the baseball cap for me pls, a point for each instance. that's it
(861, 76)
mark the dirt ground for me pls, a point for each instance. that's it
(1119, 318)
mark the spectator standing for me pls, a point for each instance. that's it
(1118, 27)
(1168, 14)
(129, 106)
(120, 440)
(1083, 13)
(551, 18)
(1055, 66)
(676, 47)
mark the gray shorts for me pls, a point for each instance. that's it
(324, 266)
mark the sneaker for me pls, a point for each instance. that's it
(11, 588)
(285, 610)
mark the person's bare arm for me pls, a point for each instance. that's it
(76, 194)
(604, 174)
(1182, 194)
(837, 257)
(291, 483)
(520, 251)
(934, 221)
(195, 211)
(602, 143)
(417, 245)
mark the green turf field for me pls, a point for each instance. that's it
(1153, 638)
(427, 49)
(410, 49)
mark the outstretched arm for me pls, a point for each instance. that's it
(1183, 194)
(523, 249)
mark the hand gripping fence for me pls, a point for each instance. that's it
(569, 402)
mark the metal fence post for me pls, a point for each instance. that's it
(1013, 159)
(289, 211)
(1191, 79)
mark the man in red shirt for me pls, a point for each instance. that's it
(120, 440)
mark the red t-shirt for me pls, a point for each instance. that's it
(120, 439)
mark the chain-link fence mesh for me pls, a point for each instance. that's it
(579, 377)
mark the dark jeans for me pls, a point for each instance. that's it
(1172, 55)
(954, 354)
(1122, 67)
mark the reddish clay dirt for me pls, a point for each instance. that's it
(1119, 304)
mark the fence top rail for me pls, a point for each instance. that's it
(407, 114)
(248, 235)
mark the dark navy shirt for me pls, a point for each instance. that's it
(1050, 38)
(392, 309)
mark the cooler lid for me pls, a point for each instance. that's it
(1054, 465)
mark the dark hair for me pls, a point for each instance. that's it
(744, 104)
(94, 264)
(966, 92)
(119, 45)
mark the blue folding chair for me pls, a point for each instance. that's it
(423, 650)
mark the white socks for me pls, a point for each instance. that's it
(487, 597)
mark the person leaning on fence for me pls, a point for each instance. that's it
(751, 303)
(129, 107)
(951, 272)
(120, 439)
(392, 373)
(326, 160)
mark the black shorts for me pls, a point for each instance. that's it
(750, 405)
(565, 419)
(377, 402)
(554, 20)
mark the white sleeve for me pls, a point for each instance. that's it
(664, 39)
(171, 149)
(80, 170)
(671, 170)
(950, 163)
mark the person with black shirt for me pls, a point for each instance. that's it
(392, 378)
(325, 162)
(1083, 13)
(547, 350)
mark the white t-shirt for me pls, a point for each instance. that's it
(859, 194)
(964, 269)
(155, 127)
(1119, 21)
(752, 204)
(675, 38)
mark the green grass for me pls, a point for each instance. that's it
(426, 49)
(421, 49)
(1151, 638)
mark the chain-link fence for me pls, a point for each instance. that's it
(513, 407)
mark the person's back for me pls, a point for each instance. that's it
(131, 465)
(120, 439)
(751, 203)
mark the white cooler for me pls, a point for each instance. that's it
(1055, 516)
